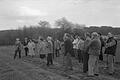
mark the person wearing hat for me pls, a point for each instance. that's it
(94, 52)
(110, 50)
(18, 47)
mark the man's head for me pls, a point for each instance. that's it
(95, 35)
(110, 35)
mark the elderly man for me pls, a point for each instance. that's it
(18, 47)
(111, 45)
(94, 51)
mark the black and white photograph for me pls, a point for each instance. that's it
(59, 39)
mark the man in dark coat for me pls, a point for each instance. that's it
(68, 49)
(111, 46)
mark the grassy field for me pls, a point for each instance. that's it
(28, 68)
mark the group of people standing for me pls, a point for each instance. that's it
(88, 51)
(32, 47)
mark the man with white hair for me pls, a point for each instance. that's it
(18, 47)
(94, 51)
(111, 45)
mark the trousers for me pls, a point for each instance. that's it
(93, 65)
(49, 59)
(85, 61)
(19, 52)
(111, 63)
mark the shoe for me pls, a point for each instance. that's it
(110, 73)
(84, 71)
(96, 74)
(71, 69)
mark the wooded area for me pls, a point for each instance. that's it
(7, 37)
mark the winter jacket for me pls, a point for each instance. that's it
(94, 47)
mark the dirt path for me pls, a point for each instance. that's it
(29, 68)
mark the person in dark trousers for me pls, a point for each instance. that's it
(110, 50)
(68, 49)
(26, 46)
(85, 52)
(18, 47)
(50, 51)
(102, 45)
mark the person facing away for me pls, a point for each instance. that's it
(110, 50)
(68, 52)
(49, 51)
(94, 52)
(18, 47)
(31, 47)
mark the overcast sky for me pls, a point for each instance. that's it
(16, 13)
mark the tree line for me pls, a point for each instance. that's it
(7, 37)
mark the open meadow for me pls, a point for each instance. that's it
(28, 68)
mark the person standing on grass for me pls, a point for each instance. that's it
(85, 52)
(42, 49)
(39, 45)
(110, 50)
(26, 46)
(57, 47)
(102, 45)
(68, 49)
(80, 49)
(18, 47)
(94, 52)
(49, 51)
(31, 47)
(75, 46)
